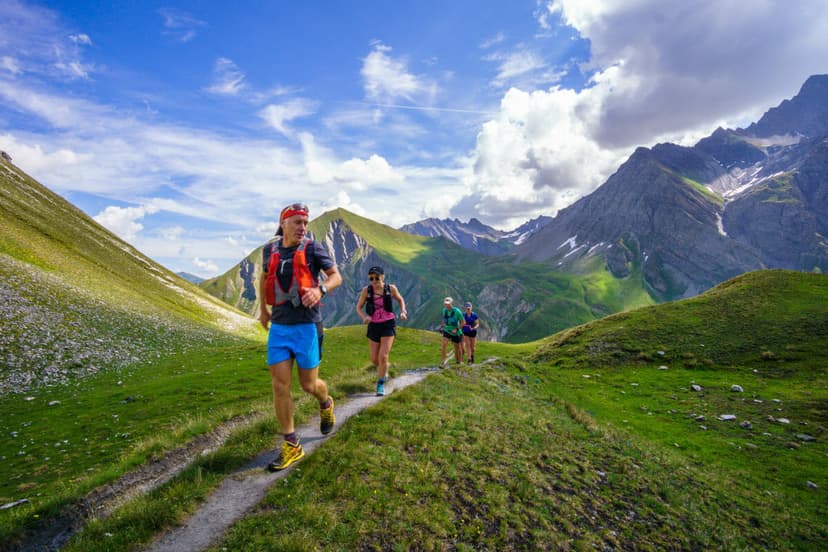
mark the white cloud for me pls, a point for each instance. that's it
(206, 265)
(324, 169)
(267, 228)
(81, 38)
(491, 41)
(123, 221)
(40, 43)
(228, 79)
(276, 116)
(515, 64)
(173, 233)
(387, 79)
(74, 69)
(10, 64)
(661, 71)
(35, 159)
(359, 174)
(681, 66)
(537, 156)
(273, 92)
(180, 25)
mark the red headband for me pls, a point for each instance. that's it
(288, 212)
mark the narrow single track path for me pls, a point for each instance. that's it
(244, 489)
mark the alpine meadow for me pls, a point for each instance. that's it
(606, 185)
(684, 425)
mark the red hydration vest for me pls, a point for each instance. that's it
(300, 280)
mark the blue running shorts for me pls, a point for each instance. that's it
(299, 341)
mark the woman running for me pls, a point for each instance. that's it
(376, 298)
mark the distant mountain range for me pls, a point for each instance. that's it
(671, 222)
(476, 236)
(515, 303)
(192, 278)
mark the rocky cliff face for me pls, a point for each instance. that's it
(692, 217)
(806, 114)
(785, 216)
(648, 215)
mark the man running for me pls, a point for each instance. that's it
(450, 326)
(290, 282)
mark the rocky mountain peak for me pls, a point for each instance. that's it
(806, 114)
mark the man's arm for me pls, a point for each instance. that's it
(264, 312)
(313, 295)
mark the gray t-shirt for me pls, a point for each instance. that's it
(318, 260)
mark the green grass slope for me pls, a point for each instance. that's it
(592, 438)
(773, 316)
(75, 299)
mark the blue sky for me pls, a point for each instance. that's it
(185, 126)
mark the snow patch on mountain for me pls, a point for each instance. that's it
(720, 225)
(571, 242)
(754, 178)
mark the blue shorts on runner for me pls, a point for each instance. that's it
(299, 341)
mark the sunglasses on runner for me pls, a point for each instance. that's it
(294, 209)
(374, 278)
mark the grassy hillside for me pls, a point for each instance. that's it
(75, 299)
(515, 303)
(773, 316)
(63, 441)
(592, 438)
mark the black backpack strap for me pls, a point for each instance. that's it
(369, 299)
(386, 298)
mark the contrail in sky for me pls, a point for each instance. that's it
(421, 108)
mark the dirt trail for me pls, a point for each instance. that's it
(101, 502)
(238, 493)
(244, 489)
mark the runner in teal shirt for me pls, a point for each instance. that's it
(452, 322)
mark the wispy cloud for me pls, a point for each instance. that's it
(228, 79)
(180, 25)
(387, 79)
(10, 64)
(544, 12)
(58, 110)
(37, 43)
(274, 92)
(492, 41)
(206, 265)
(81, 38)
(74, 69)
(516, 64)
(434, 108)
(278, 115)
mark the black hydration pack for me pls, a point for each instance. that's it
(386, 300)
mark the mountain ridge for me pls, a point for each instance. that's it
(76, 299)
(476, 236)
